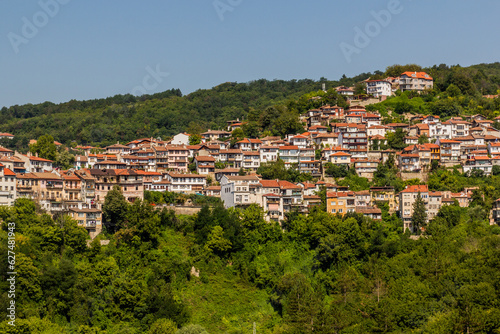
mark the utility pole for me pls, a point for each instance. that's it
(254, 328)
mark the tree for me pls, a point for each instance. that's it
(216, 242)
(115, 209)
(45, 147)
(64, 159)
(423, 139)
(192, 329)
(194, 139)
(163, 326)
(419, 216)
(335, 171)
(396, 140)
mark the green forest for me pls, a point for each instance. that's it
(221, 271)
(269, 107)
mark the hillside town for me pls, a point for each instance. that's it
(352, 138)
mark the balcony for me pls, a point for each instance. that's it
(54, 186)
(90, 224)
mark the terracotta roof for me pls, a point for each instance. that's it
(418, 75)
(8, 172)
(416, 189)
(269, 183)
(205, 158)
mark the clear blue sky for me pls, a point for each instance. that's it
(92, 49)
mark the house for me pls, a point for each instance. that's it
(35, 164)
(8, 186)
(232, 157)
(409, 162)
(180, 139)
(249, 144)
(129, 181)
(177, 158)
(327, 139)
(384, 195)
(340, 202)
(362, 198)
(204, 164)
(378, 130)
(185, 183)
(482, 163)
(251, 160)
(308, 162)
(416, 81)
(91, 219)
(407, 197)
(450, 149)
(289, 154)
(299, 140)
(117, 149)
(211, 135)
(212, 191)
(495, 212)
(268, 153)
(370, 212)
(378, 88)
(340, 158)
(366, 167)
(235, 190)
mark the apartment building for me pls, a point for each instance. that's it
(236, 190)
(185, 183)
(407, 197)
(8, 186)
(378, 88)
(416, 81)
(129, 181)
(340, 202)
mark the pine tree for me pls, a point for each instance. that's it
(419, 216)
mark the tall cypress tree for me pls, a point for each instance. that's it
(419, 216)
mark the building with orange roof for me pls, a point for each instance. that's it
(129, 181)
(35, 164)
(8, 186)
(407, 198)
(416, 81)
(478, 163)
(340, 202)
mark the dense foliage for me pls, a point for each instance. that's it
(321, 273)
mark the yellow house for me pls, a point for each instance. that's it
(340, 202)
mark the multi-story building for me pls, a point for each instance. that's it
(89, 218)
(406, 199)
(236, 190)
(232, 157)
(384, 195)
(185, 183)
(177, 158)
(378, 88)
(204, 164)
(129, 181)
(450, 149)
(417, 81)
(366, 167)
(268, 153)
(482, 163)
(8, 185)
(212, 135)
(289, 154)
(251, 160)
(249, 144)
(340, 202)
